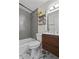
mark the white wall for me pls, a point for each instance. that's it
(24, 24)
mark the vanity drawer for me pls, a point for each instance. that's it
(51, 42)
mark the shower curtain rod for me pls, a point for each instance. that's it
(25, 7)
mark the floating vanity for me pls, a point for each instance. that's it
(51, 43)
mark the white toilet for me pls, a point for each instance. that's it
(34, 46)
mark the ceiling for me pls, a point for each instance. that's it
(32, 4)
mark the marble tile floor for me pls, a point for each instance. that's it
(39, 54)
(49, 56)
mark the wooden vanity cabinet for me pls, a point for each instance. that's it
(51, 43)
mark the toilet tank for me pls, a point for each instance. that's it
(39, 37)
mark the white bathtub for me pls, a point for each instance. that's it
(23, 45)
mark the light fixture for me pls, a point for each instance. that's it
(51, 8)
(56, 5)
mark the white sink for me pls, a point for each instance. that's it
(50, 33)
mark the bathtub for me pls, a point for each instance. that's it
(23, 45)
(24, 49)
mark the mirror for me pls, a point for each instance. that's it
(53, 21)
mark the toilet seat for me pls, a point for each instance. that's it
(33, 44)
